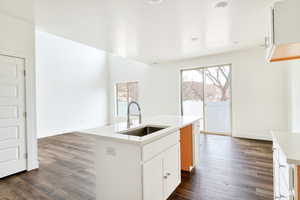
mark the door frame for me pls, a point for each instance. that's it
(204, 112)
(26, 136)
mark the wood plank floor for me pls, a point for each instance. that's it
(229, 169)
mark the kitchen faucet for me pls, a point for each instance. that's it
(128, 113)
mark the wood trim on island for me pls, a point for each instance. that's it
(298, 181)
(186, 148)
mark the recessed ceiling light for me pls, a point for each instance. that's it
(154, 1)
(221, 4)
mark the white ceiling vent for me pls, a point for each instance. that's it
(221, 4)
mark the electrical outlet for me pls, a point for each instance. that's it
(110, 151)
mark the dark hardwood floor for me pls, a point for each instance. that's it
(229, 169)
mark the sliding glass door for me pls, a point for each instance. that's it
(217, 95)
(206, 92)
(192, 93)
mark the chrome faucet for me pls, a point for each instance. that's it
(128, 113)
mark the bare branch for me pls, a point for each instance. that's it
(222, 69)
(214, 79)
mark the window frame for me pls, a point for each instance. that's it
(117, 114)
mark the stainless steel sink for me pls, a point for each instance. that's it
(143, 131)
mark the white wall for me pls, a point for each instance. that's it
(294, 95)
(17, 39)
(158, 91)
(71, 85)
(259, 93)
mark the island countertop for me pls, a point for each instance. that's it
(289, 144)
(171, 122)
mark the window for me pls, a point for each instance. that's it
(126, 92)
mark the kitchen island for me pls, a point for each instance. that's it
(144, 162)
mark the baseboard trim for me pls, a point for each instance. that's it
(54, 133)
(253, 137)
(214, 133)
(34, 165)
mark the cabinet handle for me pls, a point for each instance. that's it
(167, 175)
(292, 179)
(282, 166)
(279, 197)
(282, 196)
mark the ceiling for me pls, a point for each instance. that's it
(171, 30)
(19, 9)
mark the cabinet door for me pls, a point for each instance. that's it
(286, 17)
(172, 173)
(276, 176)
(153, 179)
(270, 39)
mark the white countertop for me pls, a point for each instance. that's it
(289, 144)
(172, 122)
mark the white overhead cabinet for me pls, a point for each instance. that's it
(283, 40)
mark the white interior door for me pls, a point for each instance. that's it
(12, 116)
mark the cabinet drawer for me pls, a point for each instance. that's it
(285, 195)
(276, 178)
(282, 158)
(284, 174)
(275, 152)
(284, 191)
(154, 148)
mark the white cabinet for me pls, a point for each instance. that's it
(161, 175)
(286, 22)
(138, 172)
(171, 170)
(284, 175)
(283, 39)
(270, 39)
(153, 179)
(276, 181)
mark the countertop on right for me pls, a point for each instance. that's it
(290, 144)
